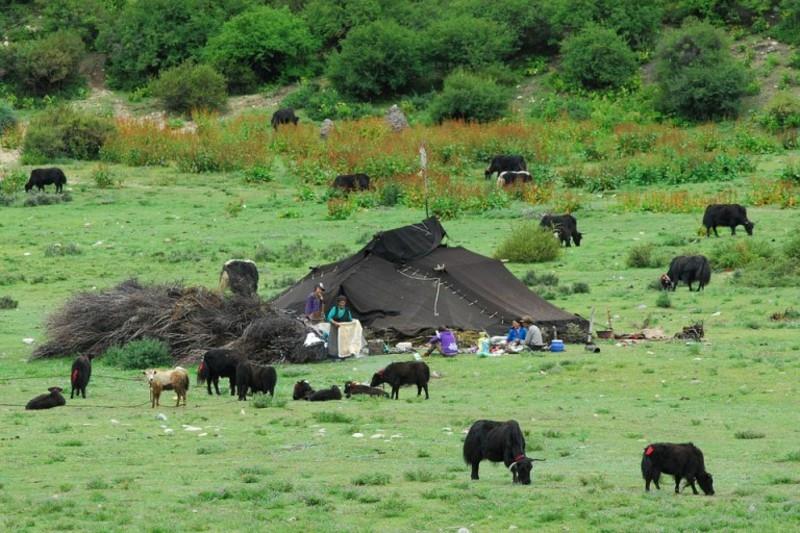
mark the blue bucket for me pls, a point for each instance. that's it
(556, 345)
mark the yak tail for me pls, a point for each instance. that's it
(202, 373)
(705, 273)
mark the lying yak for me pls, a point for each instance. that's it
(688, 269)
(728, 215)
(304, 391)
(79, 375)
(682, 461)
(351, 388)
(498, 442)
(403, 373)
(47, 401)
(255, 378)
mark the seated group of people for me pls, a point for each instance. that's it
(523, 333)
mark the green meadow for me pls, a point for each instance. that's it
(107, 463)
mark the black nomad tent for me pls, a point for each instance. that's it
(406, 281)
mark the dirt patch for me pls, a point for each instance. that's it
(248, 102)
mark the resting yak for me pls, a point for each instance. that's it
(688, 269)
(729, 215)
(498, 442)
(505, 163)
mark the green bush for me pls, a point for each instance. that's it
(8, 119)
(791, 171)
(47, 65)
(737, 253)
(13, 182)
(788, 27)
(663, 301)
(258, 174)
(467, 41)
(103, 177)
(636, 21)
(262, 45)
(138, 355)
(8, 303)
(781, 113)
(65, 132)
(528, 243)
(325, 102)
(151, 35)
(642, 256)
(378, 59)
(188, 87)
(59, 250)
(580, 287)
(597, 58)
(469, 97)
(555, 107)
(697, 77)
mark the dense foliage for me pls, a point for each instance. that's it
(597, 58)
(262, 45)
(189, 86)
(65, 132)
(47, 64)
(469, 97)
(697, 77)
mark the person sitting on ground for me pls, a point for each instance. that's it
(315, 306)
(533, 337)
(516, 334)
(445, 340)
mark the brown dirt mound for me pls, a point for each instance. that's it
(190, 320)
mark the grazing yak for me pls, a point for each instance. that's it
(79, 376)
(565, 225)
(498, 441)
(729, 215)
(47, 401)
(352, 387)
(403, 373)
(508, 177)
(218, 363)
(283, 116)
(688, 269)
(682, 461)
(176, 379)
(256, 378)
(351, 182)
(46, 176)
(504, 163)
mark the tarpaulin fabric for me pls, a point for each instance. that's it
(442, 286)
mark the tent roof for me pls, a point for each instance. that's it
(407, 281)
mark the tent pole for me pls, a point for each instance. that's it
(423, 163)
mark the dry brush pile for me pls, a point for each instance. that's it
(189, 320)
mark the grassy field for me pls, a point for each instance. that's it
(107, 464)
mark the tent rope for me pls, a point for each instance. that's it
(415, 276)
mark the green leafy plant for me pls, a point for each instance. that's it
(103, 177)
(528, 243)
(597, 58)
(469, 97)
(62, 131)
(189, 86)
(140, 354)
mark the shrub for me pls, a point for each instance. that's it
(467, 41)
(65, 132)
(103, 177)
(8, 119)
(262, 45)
(258, 174)
(749, 434)
(580, 287)
(189, 86)
(325, 102)
(788, 27)
(737, 253)
(470, 98)
(782, 113)
(597, 58)
(528, 243)
(697, 77)
(8, 303)
(390, 194)
(642, 256)
(372, 479)
(140, 354)
(340, 208)
(263, 401)
(47, 65)
(59, 250)
(377, 59)
(13, 182)
(663, 301)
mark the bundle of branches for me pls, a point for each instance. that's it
(189, 320)
(275, 339)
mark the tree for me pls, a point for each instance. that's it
(469, 97)
(262, 45)
(467, 41)
(597, 58)
(47, 65)
(189, 86)
(697, 77)
(377, 59)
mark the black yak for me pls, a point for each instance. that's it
(729, 215)
(79, 376)
(46, 176)
(504, 163)
(565, 225)
(47, 401)
(404, 373)
(682, 461)
(283, 116)
(498, 442)
(334, 393)
(688, 269)
(302, 390)
(256, 378)
(351, 182)
(218, 363)
(351, 388)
